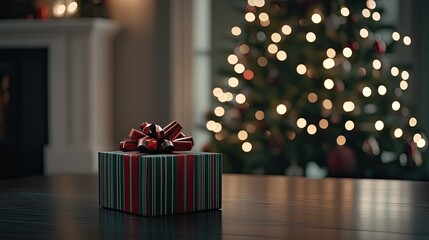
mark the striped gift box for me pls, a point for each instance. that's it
(160, 184)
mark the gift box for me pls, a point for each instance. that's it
(159, 184)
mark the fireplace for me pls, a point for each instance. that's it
(78, 109)
(23, 111)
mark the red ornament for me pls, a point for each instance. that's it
(379, 46)
(341, 162)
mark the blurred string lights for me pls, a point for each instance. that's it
(64, 8)
(333, 59)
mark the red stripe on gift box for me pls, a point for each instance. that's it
(127, 163)
(189, 183)
(180, 182)
(135, 181)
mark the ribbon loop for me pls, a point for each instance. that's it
(154, 139)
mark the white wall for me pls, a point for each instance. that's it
(141, 64)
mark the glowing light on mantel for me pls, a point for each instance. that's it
(72, 8)
(59, 10)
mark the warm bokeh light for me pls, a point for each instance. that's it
(328, 83)
(323, 123)
(72, 8)
(345, 11)
(219, 136)
(242, 135)
(421, 143)
(417, 137)
(259, 3)
(330, 52)
(396, 36)
(347, 52)
(316, 18)
(398, 133)
(407, 40)
(59, 10)
(228, 96)
(301, 122)
(232, 59)
(217, 92)
(349, 125)
(312, 97)
(272, 48)
(382, 90)
(376, 16)
(217, 127)
(246, 146)
(244, 49)
(327, 104)
(219, 111)
(371, 4)
(405, 75)
(210, 125)
(301, 69)
(328, 63)
(281, 109)
(348, 106)
(376, 64)
(396, 106)
(239, 68)
(366, 92)
(250, 17)
(281, 55)
(240, 98)
(412, 122)
(394, 71)
(364, 33)
(311, 129)
(263, 17)
(259, 115)
(233, 82)
(236, 31)
(310, 36)
(379, 125)
(262, 61)
(276, 37)
(341, 140)
(403, 85)
(286, 30)
(366, 13)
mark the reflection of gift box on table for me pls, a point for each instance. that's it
(160, 184)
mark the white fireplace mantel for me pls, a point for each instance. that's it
(79, 86)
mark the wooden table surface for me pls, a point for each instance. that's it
(254, 207)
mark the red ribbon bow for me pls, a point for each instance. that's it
(154, 139)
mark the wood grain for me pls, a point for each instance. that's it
(254, 207)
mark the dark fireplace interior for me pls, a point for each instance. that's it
(23, 111)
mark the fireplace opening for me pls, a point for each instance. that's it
(23, 111)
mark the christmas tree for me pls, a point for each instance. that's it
(312, 82)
